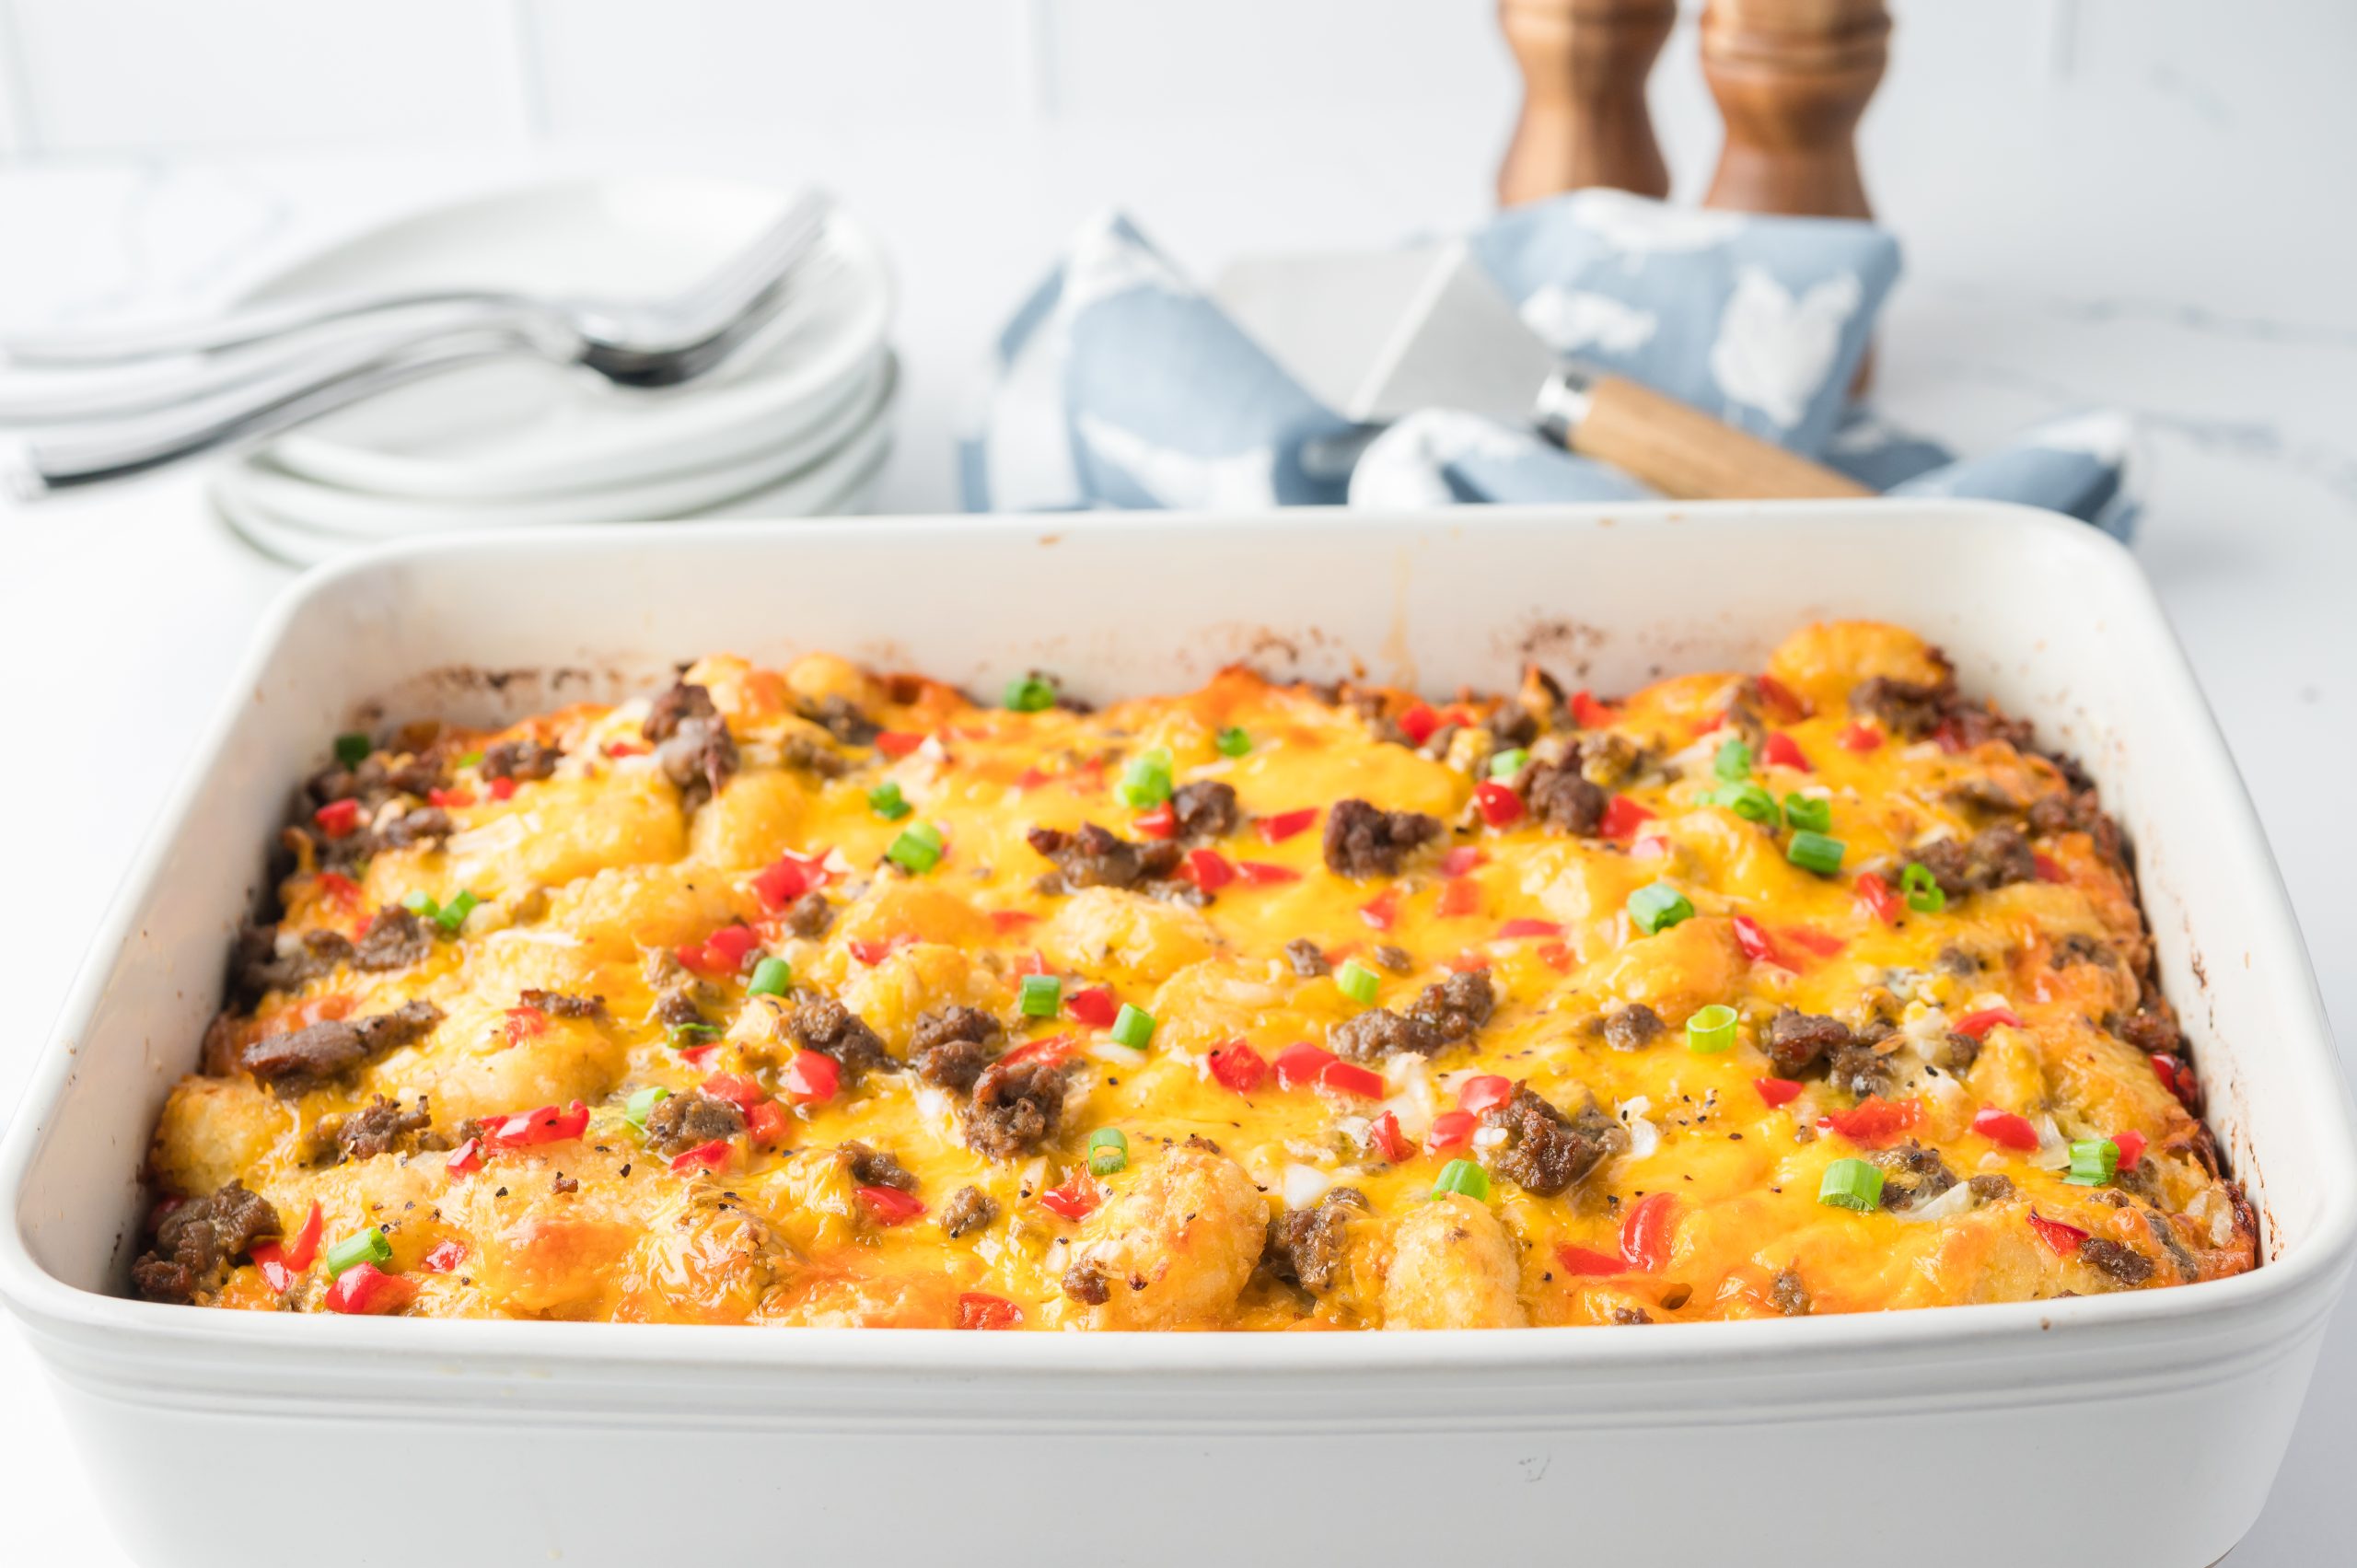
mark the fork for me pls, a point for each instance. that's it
(639, 344)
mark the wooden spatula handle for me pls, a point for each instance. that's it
(1677, 448)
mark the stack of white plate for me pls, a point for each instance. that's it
(797, 423)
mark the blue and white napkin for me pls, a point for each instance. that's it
(1119, 383)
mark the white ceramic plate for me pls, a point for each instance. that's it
(515, 429)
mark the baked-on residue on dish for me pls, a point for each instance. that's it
(817, 997)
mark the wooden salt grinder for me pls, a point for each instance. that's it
(1583, 119)
(1792, 78)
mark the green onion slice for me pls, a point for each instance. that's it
(1132, 1026)
(1043, 996)
(1147, 781)
(1710, 1030)
(1733, 762)
(1809, 812)
(687, 1036)
(352, 749)
(361, 1247)
(1463, 1176)
(1812, 850)
(1031, 694)
(1508, 763)
(1657, 906)
(1108, 1151)
(1746, 800)
(2094, 1161)
(1850, 1184)
(452, 915)
(472, 759)
(1234, 742)
(917, 850)
(640, 1105)
(886, 801)
(1358, 982)
(771, 977)
(418, 901)
(1924, 894)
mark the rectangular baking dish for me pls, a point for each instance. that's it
(2144, 1427)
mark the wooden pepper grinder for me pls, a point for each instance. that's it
(1792, 78)
(1583, 119)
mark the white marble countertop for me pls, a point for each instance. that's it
(2226, 324)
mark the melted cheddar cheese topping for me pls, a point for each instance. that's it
(811, 997)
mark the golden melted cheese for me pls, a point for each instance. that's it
(1706, 1201)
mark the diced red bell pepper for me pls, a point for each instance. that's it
(1277, 828)
(888, 1205)
(1978, 1024)
(871, 953)
(811, 1078)
(1880, 901)
(1874, 1122)
(1468, 963)
(1208, 869)
(1517, 929)
(765, 1123)
(282, 1262)
(698, 1056)
(1499, 805)
(366, 1291)
(1484, 1092)
(1459, 896)
(733, 1088)
(1094, 1007)
(2131, 1148)
(1418, 724)
(466, 1159)
(1382, 911)
(1385, 1138)
(2004, 1128)
(1005, 921)
(1555, 955)
(1948, 737)
(1587, 713)
(1158, 822)
(2064, 1238)
(1777, 1091)
(1823, 944)
(788, 879)
(1053, 1048)
(2178, 1078)
(1451, 1130)
(1622, 816)
(704, 1157)
(450, 797)
(445, 1255)
(1239, 1066)
(2048, 869)
(1581, 1261)
(524, 1022)
(979, 1310)
(1782, 750)
(722, 953)
(1861, 738)
(1299, 1065)
(1783, 702)
(338, 817)
(1260, 874)
(1754, 943)
(546, 1125)
(1460, 860)
(898, 742)
(1349, 1079)
(624, 749)
(337, 888)
(501, 789)
(1647, 1232)
(1032, 962)
(1077, 1199)
(1709, 726)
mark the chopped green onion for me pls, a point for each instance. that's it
(1043, 996)
(1809, 812)
(352, 749)
(1108, 1151)
(361, 1247)
(472, 759)
(452, 915)
(1463, 1176)
(1850, 1184)
(687, 1036)
(886, 801)
(1132, 1026)
(771, 977)
(1657, 906)
(1924, 894)
(1358, 982)
(640, 1105)
(1812, 851)
(417, 902)
(1747, 801)
(1232, 742)
(1710, 1030)
(1147, 781)
(1733, 762)
(1030, 693)
(917, 850)
(2094, 1161)
(1508, 763)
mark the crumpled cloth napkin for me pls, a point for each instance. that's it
(1119, 383)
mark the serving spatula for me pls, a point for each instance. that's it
(1377, 335)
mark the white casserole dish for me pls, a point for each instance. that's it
(2144, 1427)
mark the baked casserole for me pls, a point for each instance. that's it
(818, 997)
